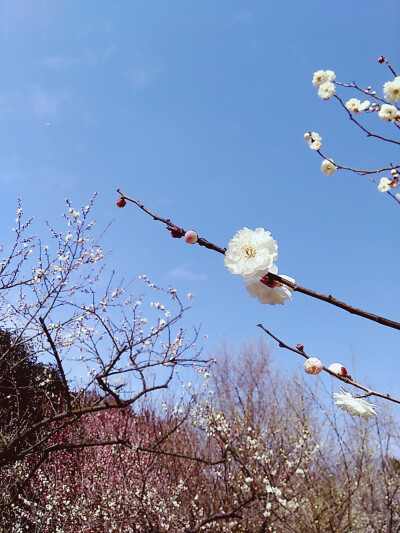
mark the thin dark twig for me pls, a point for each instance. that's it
(348, 380)
(170, 225)
(59, 363)
(333, 301)
(298, 288)
(365, 130)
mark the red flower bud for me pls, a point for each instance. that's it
(381, 59)
(176, 232)
(300, 347)
(121, 202)
(266, 280)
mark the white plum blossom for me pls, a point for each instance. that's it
(326, 90)
(278, 293)
(323, 76)
(313, 366)
(354, 406)
(328, 167)
(314, 140)
(384, 185)
(354, 105)
(391, 90)
(251, 253)
(389, 113)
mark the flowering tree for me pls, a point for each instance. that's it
(73, 343)
(257, 453)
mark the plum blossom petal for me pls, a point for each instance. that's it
(314, 140)
(251, 253)
(326, 90)
(313, 366)
(328, 167)
(323, 76)
(391, 90)
(277, 294)
(354, 105)
(389, 113)
(354, 406)
(384, 185)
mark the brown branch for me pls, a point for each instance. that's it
(333, 301)
(170, 225)
(328, 299)
(59, 364)
(363, 128)
(348, 380)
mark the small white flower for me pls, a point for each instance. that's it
(251, 253)
(391, 90)
(354, 406)
(191, 237)
(313, 366)
(354, 105)
(389, 113)
(338, 368)
(384, 185)
(277, 294)
(314, 140)
(326, 90)
(328, 167)
(323, 76)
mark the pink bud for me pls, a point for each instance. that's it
(176, 232)
(313, 366)
(300, 347)
(191, 237)
(338, 369)
(381, 59)
(121, 202)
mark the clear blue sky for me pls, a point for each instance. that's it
(198, 109)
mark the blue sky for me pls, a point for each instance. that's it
(198, 109)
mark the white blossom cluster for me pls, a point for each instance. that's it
(252, 254)
(324, 81)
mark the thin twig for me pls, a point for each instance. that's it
(348, 380)
(170, 225)
(369, 133)
(59, 363)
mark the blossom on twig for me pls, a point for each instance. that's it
(251, 253)
(354, 105)
(354, 406)
(391, 90)
(314, 140)
(326, 90)
(338, 368)
(385, 184)
(323, 76)
(328, 167)
(389, 113)
(313, 366)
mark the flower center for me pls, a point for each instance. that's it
(250, 251)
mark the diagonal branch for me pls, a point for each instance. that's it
(298, 288)
(348, 380)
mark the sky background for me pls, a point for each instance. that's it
(198, 109)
